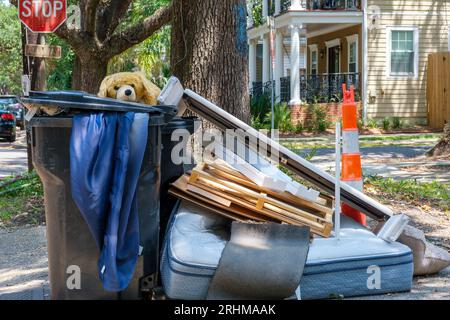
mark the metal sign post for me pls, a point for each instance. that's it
(271, 22)
(337, 192)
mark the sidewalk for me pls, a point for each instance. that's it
(24, 271)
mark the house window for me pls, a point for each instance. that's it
(314, 61)
(403, 55)
(352, 42)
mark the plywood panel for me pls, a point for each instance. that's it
(438, 89)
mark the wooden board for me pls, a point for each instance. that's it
(287, 201)
(248, 207)
(43, 51)
(179, 188)
(259, 201)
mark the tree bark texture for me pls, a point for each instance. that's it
(209, 51)
(443, 146)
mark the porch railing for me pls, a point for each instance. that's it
(323, 88)
(324, 5)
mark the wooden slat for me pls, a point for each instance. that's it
(320, 205)
(260, 204)
(260, 201)
(245, 204)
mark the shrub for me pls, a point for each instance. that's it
(256, 123)
(260, 105)
(319, 120)
(386, 122)
(298, 128)
(372, 123)
(397, 123)
(282, 117)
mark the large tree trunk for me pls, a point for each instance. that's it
(88, 74)
(209, 51)
(443, 146)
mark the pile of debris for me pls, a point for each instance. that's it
(220, 188)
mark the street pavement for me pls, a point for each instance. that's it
(13, 156)
(397, 162)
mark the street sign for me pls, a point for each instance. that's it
(43, 51)
(43, 16)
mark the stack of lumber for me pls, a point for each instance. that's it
(224, 190)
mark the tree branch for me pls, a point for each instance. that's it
(89, 11)
(109, 14)
(118, 43)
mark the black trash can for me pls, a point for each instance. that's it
(169, 170)
(72, 251)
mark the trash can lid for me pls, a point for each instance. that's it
(83, 101)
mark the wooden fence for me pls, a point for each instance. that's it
(438, 89)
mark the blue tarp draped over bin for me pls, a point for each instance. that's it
(106, 153)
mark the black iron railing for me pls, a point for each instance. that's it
(321, 88)
(324, 5)
(260, 88)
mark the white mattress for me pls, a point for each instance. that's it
(357, 264)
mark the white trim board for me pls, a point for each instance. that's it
(389, 30)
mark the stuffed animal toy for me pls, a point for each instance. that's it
(129, 86)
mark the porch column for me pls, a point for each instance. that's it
(277, 7)
(266, 60)
(297, 5)
(252, 62)
(279, 62)
(295, 65)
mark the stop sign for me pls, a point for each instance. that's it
(43, 16)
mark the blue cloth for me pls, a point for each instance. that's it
(106, 154)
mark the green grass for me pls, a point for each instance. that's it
(410, 190)
(23, 197)
(425, 140)
(427, 136)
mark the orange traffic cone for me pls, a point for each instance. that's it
(351, 157)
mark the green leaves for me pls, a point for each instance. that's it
(10, 50)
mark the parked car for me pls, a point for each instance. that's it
(7, 125)
(10, 103)
(17, 109)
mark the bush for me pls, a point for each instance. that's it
(319, 120)
(397, 123)
(282, 117)
(386, 122)
(372, 124)
(260, 106)
(298, 128)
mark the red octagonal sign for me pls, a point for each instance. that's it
(43, 16)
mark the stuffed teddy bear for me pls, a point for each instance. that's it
(129, 86)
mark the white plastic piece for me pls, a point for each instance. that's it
(31, 112)
(393, 228)
(249, 171)
(172, 95)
